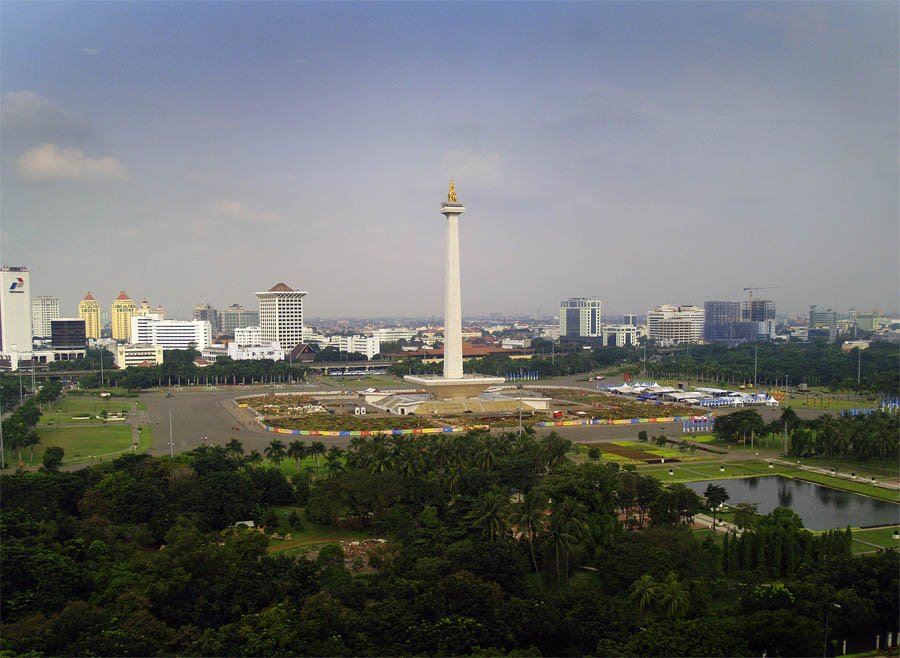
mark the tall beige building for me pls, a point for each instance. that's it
(122, 311)
(89, 311)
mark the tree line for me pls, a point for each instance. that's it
(870, 436)
(496, 545)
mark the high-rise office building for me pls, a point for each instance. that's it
(121, 313)
(204, 311)
(630, 319)
(721, 320)
(43, 310)
(822, 317)
(758, 310)
(171, 334)
(68, 334)
(281, 316)
(669, 324)
(236, 316)
(579, 317)
(89, 311)
(15, 310)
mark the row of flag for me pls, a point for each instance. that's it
(523, 376)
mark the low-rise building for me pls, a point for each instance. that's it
(171, 334)
(138, 354)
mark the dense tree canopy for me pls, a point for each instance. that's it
(496, 545)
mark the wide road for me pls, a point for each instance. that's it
(212, 417)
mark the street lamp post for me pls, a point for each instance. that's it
(171, 439)
(828, 610)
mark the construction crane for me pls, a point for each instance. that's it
(749, 290)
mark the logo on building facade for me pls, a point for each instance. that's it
(17, 285)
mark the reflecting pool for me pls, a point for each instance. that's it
(820, 507)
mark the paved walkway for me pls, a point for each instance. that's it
(884, 484)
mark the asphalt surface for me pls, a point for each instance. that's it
(211, 417)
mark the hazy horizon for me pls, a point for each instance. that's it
(643, 153)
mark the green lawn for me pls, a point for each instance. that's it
(60, 413)
(883, 537)
(311, 537)
(693, 472)
(80, 443)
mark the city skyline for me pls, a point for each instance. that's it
(645, 154)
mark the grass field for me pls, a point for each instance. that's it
(311, 537)
(882, 537)
(60, 413)
(693, 472)
(80, 443)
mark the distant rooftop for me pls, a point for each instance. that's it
(281, 287)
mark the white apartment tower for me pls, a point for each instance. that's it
(579, 317)
(43, 310)
(281, 316)
(151, 329)
(15, 310)
(672, 325)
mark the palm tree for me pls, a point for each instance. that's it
(490, 514)
(254, 457)
(296, 450)
(716, 495)
(234, 448)
(674, 601)
(317, 448)
(334, 461)
(275, 451)
(530, 518)
(560, 541)
(30, 440)
(644, 592)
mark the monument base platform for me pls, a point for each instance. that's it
(470, 386)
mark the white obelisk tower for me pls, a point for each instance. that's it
(453, 363)
(454, 384)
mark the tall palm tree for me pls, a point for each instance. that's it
(529, 516)
(254, 457)
(490, 514)
(560, 542)
(275, 451)
(234, 448)
(317, 448)
(296, 450)
(334, 461)
(644, 592)
(674, 601)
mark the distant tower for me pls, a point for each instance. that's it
(43, 311)
(454, 384)
(121, 312)
(453, 363)
(281, 316)
(15, 310)
(89, 311)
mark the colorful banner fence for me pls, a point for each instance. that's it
(608, 421)
(394, 432)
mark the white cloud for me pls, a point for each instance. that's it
(90, 51)
(48, 161)
(238, 210)
(474, 168)
(26, 113)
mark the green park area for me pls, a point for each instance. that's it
(306, 536)
(81, 444)
(79, 410)
(869, 540)
(680, 472)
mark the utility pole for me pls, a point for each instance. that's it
(171, 440)
(755, 348)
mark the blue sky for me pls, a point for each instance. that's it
(642, 152)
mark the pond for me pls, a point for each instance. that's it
(820, 507)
